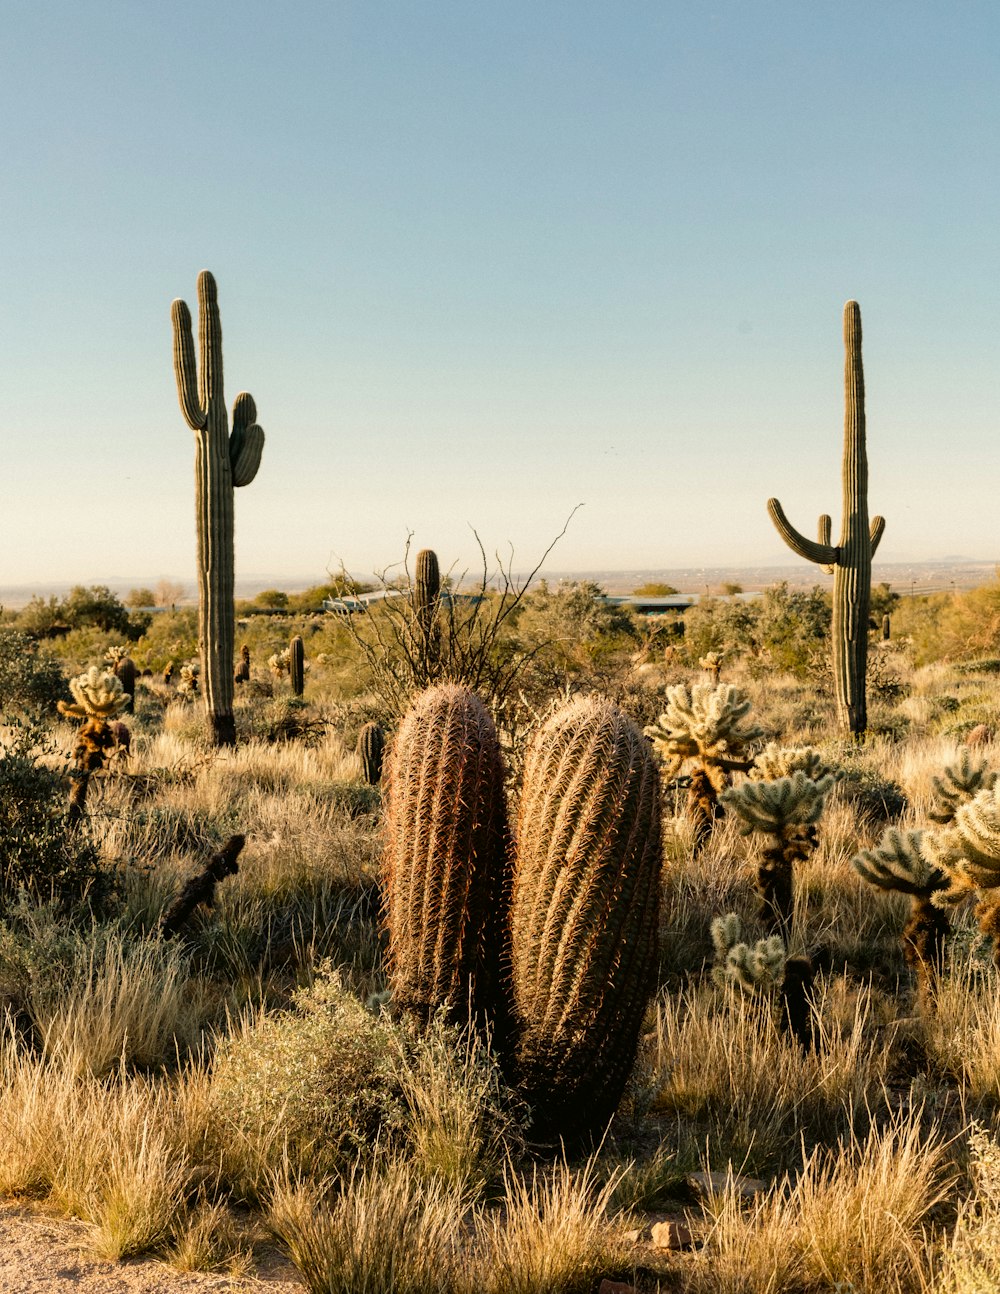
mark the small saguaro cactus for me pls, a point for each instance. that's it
(426, 604)
(785, 812)
(371, 749)
(296, 665)
(703, 727)
(445, 858)
(850, 561)
(98, 698)
(223, 459)
(584, 913)
(900, 863)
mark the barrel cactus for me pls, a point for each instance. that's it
(445, 858)
(584, 913)
(223, 459)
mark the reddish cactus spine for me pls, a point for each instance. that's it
(445, 857)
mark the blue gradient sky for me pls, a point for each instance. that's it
(479, 263)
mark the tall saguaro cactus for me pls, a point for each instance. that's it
(222, 459)
(850, 561)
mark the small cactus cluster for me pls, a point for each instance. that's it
(968, 852)
(785, 813)
(957, 785)
(124, 668)
(704, 727)
(900, 863)
(774, 762)
(551, 934)
(98, 699)
(189, 682)
(280, 663)
(765, 967)
(711, 663)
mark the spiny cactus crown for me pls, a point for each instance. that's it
(773, 807)
(703, 722)
(281, 662)
(958, 784)
(97, 694)
(900, 862)
(774, 762)
(188, 683)
(975, 838)
(115, 655)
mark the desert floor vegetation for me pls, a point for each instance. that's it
(248, 1080)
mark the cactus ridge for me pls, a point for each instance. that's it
(584, 909)
(445, 855)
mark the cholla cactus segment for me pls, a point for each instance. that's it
(773, 807)
(726, 933)
(900, 863)
(705, 722)
(281, 662)
(115, 655)
(977, 827)
(188, 683)
(757, 967)
(711, 662)
(774, 762)
(958, 784)
(97, 694)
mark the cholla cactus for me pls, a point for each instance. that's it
(115, 655)
(98, 698)
(280, 663)
(704, 726)
(902, 863)
(958, 784)
(774, 762)
(711, 662)
(188, 685)
(749, 968)
(969, 852)
(785, 812)
(97, 695)
(765, 966)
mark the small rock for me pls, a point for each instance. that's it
(716, 1183)
(616, 1287)
(671, 1235)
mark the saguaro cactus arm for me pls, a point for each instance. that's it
(875, 532)
(822, 552)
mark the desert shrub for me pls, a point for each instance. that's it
(30, 679)
(39, 850)
(782, 630)
(874, 796)
(312, 1087)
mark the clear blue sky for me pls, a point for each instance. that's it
(481, 262)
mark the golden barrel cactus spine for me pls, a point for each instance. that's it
(445, 857)
(584, 913)
(223, 459)
(850, 561)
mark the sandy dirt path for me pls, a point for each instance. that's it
(40, 1254)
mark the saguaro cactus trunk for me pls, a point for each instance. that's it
(850, 561)
(222, 460)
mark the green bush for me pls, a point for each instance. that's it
(30, 679)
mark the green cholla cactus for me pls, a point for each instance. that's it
(774, 762)
(958, 784)
(901, 863)
(704, 726)
(115, 655)
(850, 562)
(584, 913)
(444, 861)
(785, 812)
(736, 962)
(98, 698)
(711, 663)
(296, 665)
(370, 750)
(726, 932)
(222, 460)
